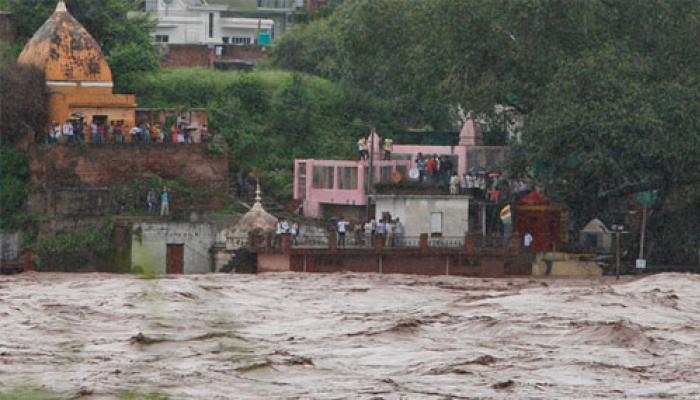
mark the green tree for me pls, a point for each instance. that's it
(376, 47)
(131, 58)
(14, 174)
(606, 127)
(25, 114)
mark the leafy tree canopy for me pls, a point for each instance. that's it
(608, 89)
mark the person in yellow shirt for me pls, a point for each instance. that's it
(388, 147)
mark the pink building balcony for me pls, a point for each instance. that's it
(340, 182)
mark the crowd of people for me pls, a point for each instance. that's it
(387, 230)
(76, 131)
(480, 184)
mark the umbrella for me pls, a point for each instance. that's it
(494, 174)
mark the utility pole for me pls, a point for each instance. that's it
(617, 255)
(618, 229)
(644, 228)
(370, 175)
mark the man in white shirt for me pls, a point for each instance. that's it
(135, 134)
(294, 230)
(68, 131)
(94, 134)
(361, 148)
(454, 183)
(527, 241)
(342, 228)
(381, 231)
(282, 227)
(398, 233)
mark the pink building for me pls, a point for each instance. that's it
(339, 187)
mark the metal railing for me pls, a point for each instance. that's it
(446, 242)
(366, 241)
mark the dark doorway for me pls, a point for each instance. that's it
(175, 259)
(99, 119)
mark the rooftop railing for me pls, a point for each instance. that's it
(363, 240)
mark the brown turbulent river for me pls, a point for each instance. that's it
(99, 336)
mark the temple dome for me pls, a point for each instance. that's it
(65, 50)
(255, 220)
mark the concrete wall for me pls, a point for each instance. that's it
(415, 212)
(9, 246)
(563, 264)
(271, 262)
(150, 240)
(404, 262)
(197, 55)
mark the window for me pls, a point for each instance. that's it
(240, 40)
(323, 177)
(225, 39)
(162, 39)
(301, 181)
(211, 25)
(436, 223)
(347, 178)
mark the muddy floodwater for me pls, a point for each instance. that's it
(100, 336)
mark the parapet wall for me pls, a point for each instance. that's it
(198, 55)
(76, 188)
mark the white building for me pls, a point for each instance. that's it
(172, 247)
(204, 22)
(436, 215)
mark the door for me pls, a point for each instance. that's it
(436, 224)
(175, 259)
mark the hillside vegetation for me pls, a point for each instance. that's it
(267, 117)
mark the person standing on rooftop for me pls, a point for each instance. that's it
(164, 203)
(388, 148)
